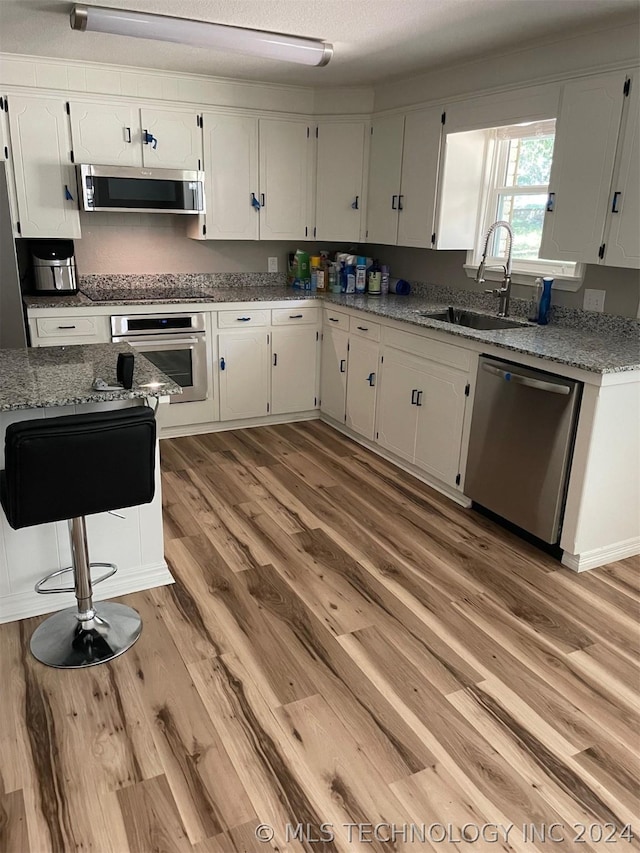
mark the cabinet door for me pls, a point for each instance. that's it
(420, 156)
(105, 134)
(284, 166)
(441, 404)
(45, 177)
(243, 366)
(385, 165)
(294, 358)
(623, 240)
(583, 157)
(339, 199)
(333, 373)
(400, 381)
(177, 139)
(231, 176)
(7, 158)
(362, 381)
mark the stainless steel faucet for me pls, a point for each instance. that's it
(504, 292)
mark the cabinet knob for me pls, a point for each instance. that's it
(223, 364)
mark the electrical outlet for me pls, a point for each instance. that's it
(594, 300)
(272, 265)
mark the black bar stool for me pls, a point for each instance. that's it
(65, 468)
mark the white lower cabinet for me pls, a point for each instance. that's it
(294, 360)
(421, 413)
(333, 375)
(362, 381)
(243, 366)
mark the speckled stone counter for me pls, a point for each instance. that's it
(63, 376)
(609, 349)
(598, 343)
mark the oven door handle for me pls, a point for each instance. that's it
(152, 340)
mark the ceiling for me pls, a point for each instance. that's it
(373, 39)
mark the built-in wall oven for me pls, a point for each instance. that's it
(175, 343)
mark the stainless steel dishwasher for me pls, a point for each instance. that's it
(522, 434)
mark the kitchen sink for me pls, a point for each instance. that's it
(459, 317)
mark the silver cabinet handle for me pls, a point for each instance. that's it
(519, 379)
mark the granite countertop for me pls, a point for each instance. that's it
(597, 350)
(170, 297)
(597, 343)
(62, 376)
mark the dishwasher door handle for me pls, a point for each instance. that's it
(519, 379)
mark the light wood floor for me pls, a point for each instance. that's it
(344, 646)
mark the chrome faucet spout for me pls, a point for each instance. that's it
(504, 292)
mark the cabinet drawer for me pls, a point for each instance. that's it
(68, 327)
(240, 319)
(293, 316)
(448, 354)
(364, 328)
(336, 320)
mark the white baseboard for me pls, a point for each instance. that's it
(22, 605)
(601, 556)
(221, 426)
(418, 473)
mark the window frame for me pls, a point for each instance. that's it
(568, 276)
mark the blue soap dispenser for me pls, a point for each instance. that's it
(545, 301)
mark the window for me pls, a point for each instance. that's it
(517, 172)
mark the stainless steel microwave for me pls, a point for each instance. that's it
(130, 189)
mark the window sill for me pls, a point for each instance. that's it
(571, 284)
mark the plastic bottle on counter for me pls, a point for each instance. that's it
(545, 301)
(375, 280)
(351, 279)
(384, 280)
(399, 286)
(333, 279)
(535, 301)
(361, 275)
(314, 263)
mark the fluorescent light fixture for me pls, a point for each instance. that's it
(201, 34)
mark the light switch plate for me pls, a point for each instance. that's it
(594, 300)
(272, 265)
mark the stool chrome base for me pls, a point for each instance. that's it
(65, 642)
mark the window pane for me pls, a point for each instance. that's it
(525, 214)
(529, 161)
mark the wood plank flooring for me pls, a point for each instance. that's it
(346, 661)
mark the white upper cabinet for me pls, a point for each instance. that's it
(231, 178)
(583, 161)
(385, 168)
(339, 176)
(8, 159)
(171, 139)
(284, 185)
(622, 243)
(45, 176)
(403, 172)
(106, 134)
(118, 134)
(421, 150)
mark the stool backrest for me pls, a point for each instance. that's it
(60, 468)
